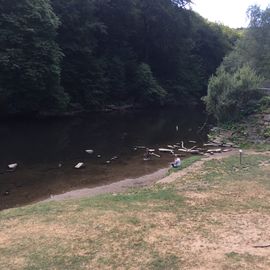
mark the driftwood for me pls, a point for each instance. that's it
(79, 165)
(221, 144)
(165, 150)
(191, 151)
(182, 144)
(155, 155)
(219, 150)
(226, 150)
(90, 151)
(210, 144)
(170, 146)
(13, 166)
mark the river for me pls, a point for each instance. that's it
(47, 150)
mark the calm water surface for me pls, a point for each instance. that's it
(39, 146)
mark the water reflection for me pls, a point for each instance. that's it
(39, 146)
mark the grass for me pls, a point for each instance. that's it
(185, 163)
(208, 219)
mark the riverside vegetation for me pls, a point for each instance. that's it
(64, 56)
(241, 84)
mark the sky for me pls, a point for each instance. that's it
(229, 12)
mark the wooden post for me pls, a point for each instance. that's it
(241, 153)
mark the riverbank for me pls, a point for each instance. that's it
(47, 151)
(161, 176)
(215, 216)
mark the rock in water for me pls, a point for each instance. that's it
(79, 165)
(13, 166)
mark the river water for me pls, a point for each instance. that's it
(39, 146)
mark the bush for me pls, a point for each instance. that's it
(232, 96)
(265, 103)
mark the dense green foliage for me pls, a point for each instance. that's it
(230, 96)
(233, 91)
(136, 52)
(29, 58)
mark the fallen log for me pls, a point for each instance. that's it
(170, 146)
(155, 155)
(210, 144)
(182, 144)
(221, 144)
(219, 150)
(226, 150)
(165, 150)
(191, 151)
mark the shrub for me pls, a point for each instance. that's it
(265, 103)
(232, 96)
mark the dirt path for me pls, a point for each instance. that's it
(158, 177)
(116, 187)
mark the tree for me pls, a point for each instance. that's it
(29, 58)
(253, 48)
(97, 46)
(231, 96)
(147, 89)
(182, 3)
(232, 92)
(82, 72)
(256, 45)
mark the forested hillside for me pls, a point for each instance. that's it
(234, 91)
(66, 55)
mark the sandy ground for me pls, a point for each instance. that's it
(116, 187)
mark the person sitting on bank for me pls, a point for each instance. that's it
(176, 163)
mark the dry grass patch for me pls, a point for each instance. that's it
(209, 219)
